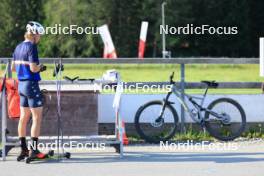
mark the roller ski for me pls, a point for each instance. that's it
(38, 156)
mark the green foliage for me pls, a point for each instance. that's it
(254, 132)
(67, 13)
(13, 19)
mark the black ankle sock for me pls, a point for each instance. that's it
(34, 144)
(23, 143)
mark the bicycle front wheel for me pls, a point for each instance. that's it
(225, 120)
(153, 127)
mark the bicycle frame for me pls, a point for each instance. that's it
(198, 107)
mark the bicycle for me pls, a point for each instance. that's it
(224, 118)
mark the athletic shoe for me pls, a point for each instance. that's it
(23, 154)
(36, 154)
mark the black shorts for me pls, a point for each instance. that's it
(30, 94)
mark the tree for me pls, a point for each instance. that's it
(124, 18)
(121, 16)
(13, 19)
(66, 13)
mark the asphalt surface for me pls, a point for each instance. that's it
(242, 158)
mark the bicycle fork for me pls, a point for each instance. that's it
(165, 102)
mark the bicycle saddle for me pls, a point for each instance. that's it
(211, 84)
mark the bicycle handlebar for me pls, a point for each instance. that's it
(78, 79)
(71, 79)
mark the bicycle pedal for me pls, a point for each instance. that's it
(202, 123)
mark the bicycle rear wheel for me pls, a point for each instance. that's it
(153, 128)
(232, 125)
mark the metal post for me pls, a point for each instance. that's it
(3, 101)
(182, 95)
(261, 57)
(9, 70)
(121, 131)
(261, 60)
(164, 52)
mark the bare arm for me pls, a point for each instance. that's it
(34, 67)
(13, 66)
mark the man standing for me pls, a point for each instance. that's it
(26, 64)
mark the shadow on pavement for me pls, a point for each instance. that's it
(105, 157)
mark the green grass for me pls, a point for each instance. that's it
(201, 136)
(150, 72)
(195, 91)
(196, 135)
(256, 131)
(136, 72)
(193, 135)
(245, 73)
(253, 132)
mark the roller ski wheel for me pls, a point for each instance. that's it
(67, 155)
(116, 147)
(39, 156)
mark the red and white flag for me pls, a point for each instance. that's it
(142, 39)
(109, 48)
